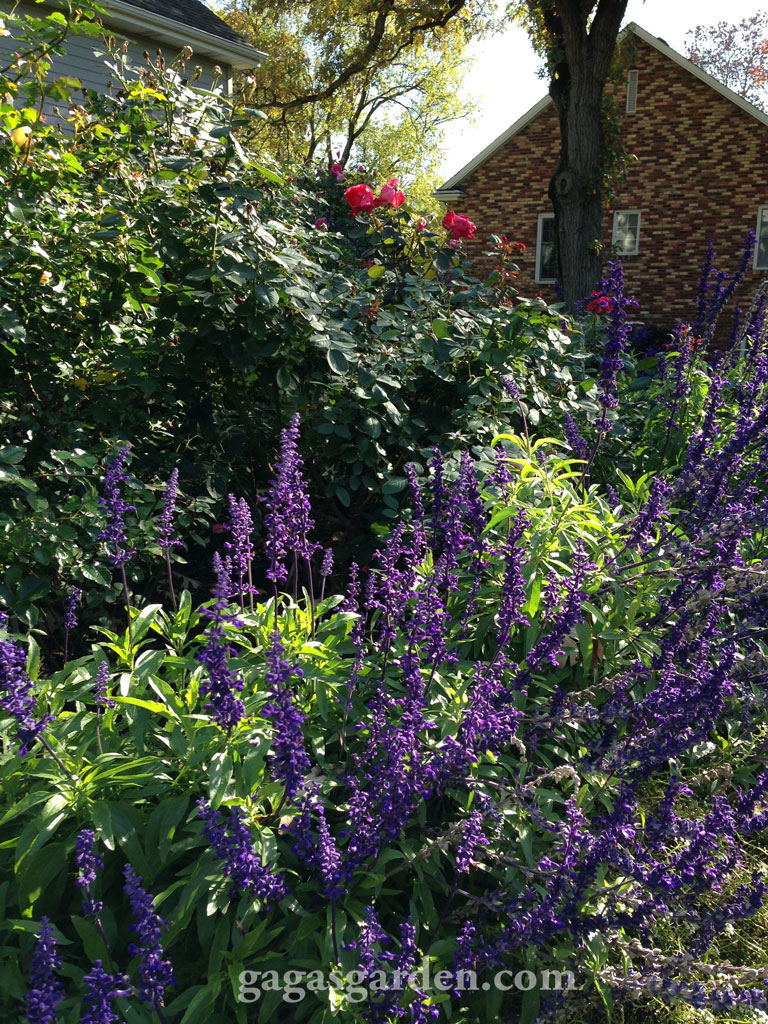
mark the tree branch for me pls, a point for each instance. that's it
(366, 55)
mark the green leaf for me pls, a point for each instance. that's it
(376, 271)
(337, 360)
(143, 621)
(41, 828)
(93, 943)
(219, 777)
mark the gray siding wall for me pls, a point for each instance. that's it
(80, 62)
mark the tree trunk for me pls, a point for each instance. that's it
(576, 86)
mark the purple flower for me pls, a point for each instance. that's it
(100, 687)
(318, 851)
(241, 525)
(471, 837)
(114, 532)
(641, 530)
(101, 991)
(288, 522)
(87, 865)
(575, 440)
(70, 604)
(165, 520)
(219, 682)
(464, 959)
(290, 761)
(617, 336)
(326, 568)
(47, 991)
(513, 588)
(16, 692)
(232, 843)
(155, 973)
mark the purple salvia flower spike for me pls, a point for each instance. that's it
(232, 843)
(88, 863)
(69, 621)
(290, 761)
(165, 537)
(101, 990)
(241, 546)
(577, 443)
(113, 534)
(288, 522)
(155, 973)
(46, 990)
(220, 683)
(16, 692)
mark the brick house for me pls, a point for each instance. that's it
(698, 170)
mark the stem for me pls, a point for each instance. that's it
(170, 579)
(56, 758)
(333, 931)
(66, 645)
(98, 730)
(311, 595)
(128, 606)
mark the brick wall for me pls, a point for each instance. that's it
(701, 171)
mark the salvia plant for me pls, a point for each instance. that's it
(516, 770)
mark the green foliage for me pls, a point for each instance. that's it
(390, 114)
(164, 285)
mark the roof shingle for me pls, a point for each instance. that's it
(192, 13)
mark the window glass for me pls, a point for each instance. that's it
(546, 260)
(626, 232)
(761, 248)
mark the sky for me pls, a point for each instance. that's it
(503, 83)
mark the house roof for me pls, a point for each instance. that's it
(185, 21)
(452, 188)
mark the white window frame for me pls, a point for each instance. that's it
(539, 224)
(626, 252)
(761, 225)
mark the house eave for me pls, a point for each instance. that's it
(449, 195)
(126, 18)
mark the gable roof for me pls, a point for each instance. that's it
(452, 188)
(185, 21)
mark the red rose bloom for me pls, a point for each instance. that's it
(459, 227)
(389, 196)
(360, 199)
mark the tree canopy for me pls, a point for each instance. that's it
(350, 82)
(737, 55)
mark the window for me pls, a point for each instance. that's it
(546, 258)
(761, 246)
(632, 92)
(626, 232)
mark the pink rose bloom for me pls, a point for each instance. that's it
(389, 196)
(459, 227)
(322, 223)
(360, 199)
(338, 172)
